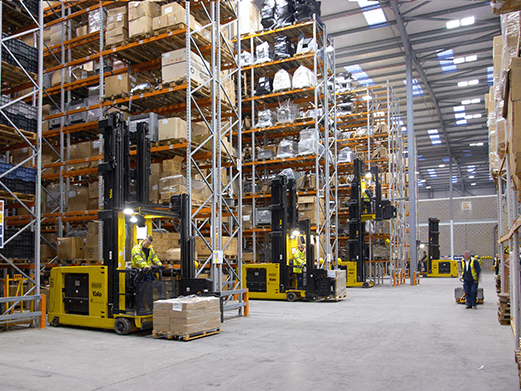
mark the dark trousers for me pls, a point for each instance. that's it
(497, 270)
(471, 292)
(300, 281)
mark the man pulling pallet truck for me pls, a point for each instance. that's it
(116, 295)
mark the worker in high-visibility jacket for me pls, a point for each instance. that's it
(299, 261)
(144, 256)
(470, 271)
(366, 195)
(477, 258)
(496, 263)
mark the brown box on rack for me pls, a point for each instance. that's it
(91, 240)
(93, 190)
(47, 252)
(155, 175)
(173, 67)
(91, 252)
(172, 129)
(70, 248)
(172, 166)
(93, 228)
(141, 26)
(173, 254)
(82, 30)
(247, 217)
(116, 36)
(138, 9)
(311, 214)
(117, 85)
(78, 199)
(117, 18)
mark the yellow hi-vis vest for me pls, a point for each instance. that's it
(298, 260)
(496, 262)
(140, 261)
(472, 269)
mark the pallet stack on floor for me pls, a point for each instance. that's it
(503, 311)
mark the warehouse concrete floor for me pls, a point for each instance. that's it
(404, 338)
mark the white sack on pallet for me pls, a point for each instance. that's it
(303, 78)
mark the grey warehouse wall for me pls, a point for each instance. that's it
(473, 228)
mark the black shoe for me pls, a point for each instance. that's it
(469, 306)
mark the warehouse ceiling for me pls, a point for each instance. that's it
(451, 46)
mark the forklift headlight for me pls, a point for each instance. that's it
(128, 211)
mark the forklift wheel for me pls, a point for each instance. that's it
(365, 285)
(55, 322)
(291, 296)
(122, 326)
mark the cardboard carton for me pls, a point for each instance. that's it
(70, 248)
(141, 26)
(138, 9)
(173, 67)
(117, 85)
(78, 199)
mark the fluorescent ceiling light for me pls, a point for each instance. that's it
(467, 21)
(453, 24)
(459, 115)
(432, 131)
(427, 187)
(471, 176)
(466, 102)
(375, 16)
(468, 116)
(473, 82)
(471, 58)
(432, 173)
(477, 116)
(475, 101)
(458, 108)
(473, 184)
(441, 165)
(454, 179)
(461, 122)
(459, 60)
(423, 180)
(463, 83)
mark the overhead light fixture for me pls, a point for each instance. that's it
(468, 21)
(473, 82)
(432, 131)
(423, 180)
(475, 101)
(463, 83)
(458, 108)
(452, 24)
(475, 116)
(471, 176)
(441, 165)
(475, 145)
(473, 184)
(471, 58)
(367, 97)
(461, 122)
(427, 187)
(128, 211)
(466, 102)
(459, 60)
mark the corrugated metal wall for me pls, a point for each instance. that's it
(473, 228)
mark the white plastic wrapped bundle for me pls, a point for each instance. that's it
(346, 155)
(281, 81)
(306, 44)
(245, 58)
(303, 77)
(262, 53)
(510, 25)
(172, 184)
(493, 160)
(95, 20)
(266, 118)
(287, 148)
(308, 143)
(287, 112)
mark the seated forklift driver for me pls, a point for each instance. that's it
(143, 256)
(299, 261)
(366, 195)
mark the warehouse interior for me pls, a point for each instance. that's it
(192, 180)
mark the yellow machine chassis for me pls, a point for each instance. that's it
(351, 275)
(436, 265)
(272, 283)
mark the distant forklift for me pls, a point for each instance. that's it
(364, 206)
(436, 267)
(273, 280)
(113, 295)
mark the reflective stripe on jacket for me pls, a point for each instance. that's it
(473, 270)
(496, 262)
(298, 260)
(140, 261)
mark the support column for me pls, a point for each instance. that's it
(411, 153)
(451, 214)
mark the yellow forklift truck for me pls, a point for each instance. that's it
(274, 280)
(364, 206)
(436, 267)
(114, 295)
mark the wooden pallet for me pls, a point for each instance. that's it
(185, 337)
(27, 198)
(9, 136)
(13, 75)
(115, 96)
(17, 261)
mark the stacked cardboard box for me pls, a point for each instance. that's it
(91, 249)
(173, 67)
(514, 122)
(78, 198)
(140, 16)
(247, 217)
(94, 196)
(117, 26)
(164, 241)
(118, 85)
(172, 14)
(186, 315)
(307, 209)
(71, 248)
(340, 281)
(204, 252)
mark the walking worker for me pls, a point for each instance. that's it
(470, 271)
(496, 263)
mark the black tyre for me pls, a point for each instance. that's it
(365, 285)
(291, 296)
(55, 322)
(122, 326)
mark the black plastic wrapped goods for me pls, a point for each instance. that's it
(284, 12)
(264, 86)
(284, 48)
(268, 14)
(305, 9)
